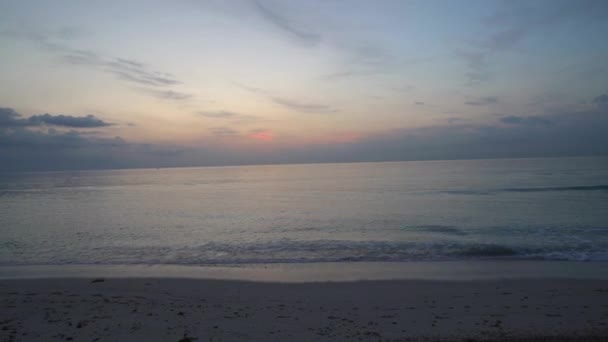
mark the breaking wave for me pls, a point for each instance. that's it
(290, 251)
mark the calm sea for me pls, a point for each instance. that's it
(548, 209)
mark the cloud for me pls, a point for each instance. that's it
(601, 101)
(419, 103)
(504, 39)
(130, 62)
(571, 133)
(286, 25)
(526, 120)
(404, 88)
(505, 29)
(26, 145)
(367, 59)
(220, 114)
(455, 120)
(291, 104)
(167, 94)
(127, 70)
(233, 117)
(223, 132)
(483, 101)
(88, 121)
(10, 118)
(124, 69)
(302, 106)
(476, 61)
(364, 57)
(50, 149)
(22, 138)
(360, 55)
(513, 22)
(249, 88)
(341, 75)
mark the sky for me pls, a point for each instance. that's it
(120, 84)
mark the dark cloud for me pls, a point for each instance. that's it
(526, 120)
(483, 101)
(10, 118)
(580, 133)
(571, 134)
(24, 149)
(601, 100)
(286, 25)
(26, 145)
(23, 138)
(88, 121)
(302, 106)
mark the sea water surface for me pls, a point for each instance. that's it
(540, 209)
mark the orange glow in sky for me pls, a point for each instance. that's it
(262, 135)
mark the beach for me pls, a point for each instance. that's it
(186, 309)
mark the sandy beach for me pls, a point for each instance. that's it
(142, 309)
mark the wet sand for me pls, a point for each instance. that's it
(155, 309)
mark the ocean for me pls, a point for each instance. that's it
(503, 209)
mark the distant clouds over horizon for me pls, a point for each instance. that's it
(10, 118)
(106, 84)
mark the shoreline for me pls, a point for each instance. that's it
(331, 271)
(164, 309)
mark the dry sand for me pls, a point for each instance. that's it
(114, 309)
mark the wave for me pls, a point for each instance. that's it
(468, 192)
(290, 251)
(9, 244)
(560, 188)
(450, 230)
(489, 250)
(529, 189)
